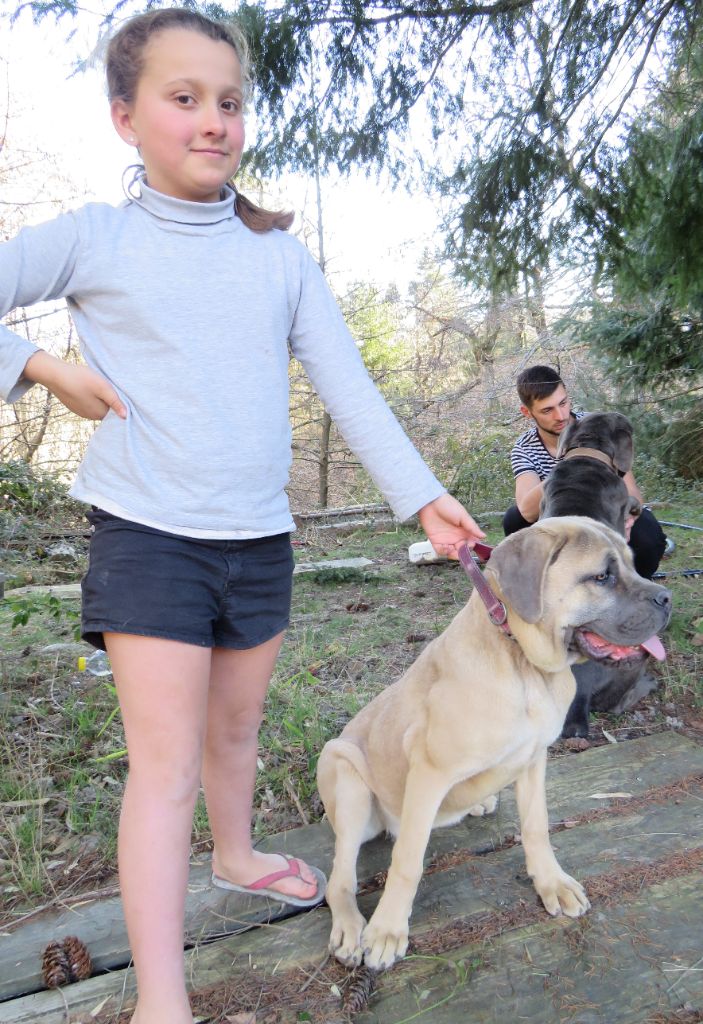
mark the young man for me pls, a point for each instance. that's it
(544, 400)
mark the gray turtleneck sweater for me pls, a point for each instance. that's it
(190, 316)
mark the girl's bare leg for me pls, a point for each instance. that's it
(238, 684)
(162, 686)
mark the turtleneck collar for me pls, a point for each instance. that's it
(181, 211)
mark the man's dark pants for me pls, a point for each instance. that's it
(647, 539)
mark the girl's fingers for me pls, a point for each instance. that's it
(107, 394)
(118, 406)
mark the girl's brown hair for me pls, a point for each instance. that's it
(124, 63)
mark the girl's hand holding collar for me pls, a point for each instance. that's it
(447, 525)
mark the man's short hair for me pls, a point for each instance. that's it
(536, 383)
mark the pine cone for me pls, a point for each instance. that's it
(56, 969)
(80, 964)
(357, 993)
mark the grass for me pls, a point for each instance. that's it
(62, 763)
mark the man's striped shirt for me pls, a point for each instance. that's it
(529, 454)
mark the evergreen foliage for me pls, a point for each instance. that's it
(510, 107)
(650, 326)
(523, 116)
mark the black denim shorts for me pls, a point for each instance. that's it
(212, 593)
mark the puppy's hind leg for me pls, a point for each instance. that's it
(559, 892)
(350, 807)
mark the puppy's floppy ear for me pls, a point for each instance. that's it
(565, 438)
(633, 507)
(520, 563)
(623, 448)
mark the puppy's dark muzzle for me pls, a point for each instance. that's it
(664, 602)
(647, 612)
(652, 611)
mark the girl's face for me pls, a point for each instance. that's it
(186, 118)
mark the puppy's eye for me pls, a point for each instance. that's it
(603, 577)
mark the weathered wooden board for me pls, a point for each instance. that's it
(53, 589)
(633, 767)
(332, 563)
(617, 966)
(493, 882)
(100, 922)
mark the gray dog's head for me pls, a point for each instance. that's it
(607, 432)
(580, 483)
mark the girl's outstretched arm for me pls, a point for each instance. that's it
(79, 388)
(447, 524)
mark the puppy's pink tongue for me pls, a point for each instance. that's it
(655, 647)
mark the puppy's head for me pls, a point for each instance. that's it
(607, 432)
(571, 592)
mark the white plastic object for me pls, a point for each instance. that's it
(97, 664)
(424, 552)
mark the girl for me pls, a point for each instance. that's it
(186, 299)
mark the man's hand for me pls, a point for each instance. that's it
(447, 525)
(79, 388)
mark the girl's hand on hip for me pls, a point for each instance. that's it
(79, 388)
(447, 525)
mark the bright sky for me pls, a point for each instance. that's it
(370, 233)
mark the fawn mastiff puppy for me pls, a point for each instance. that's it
(476, 711)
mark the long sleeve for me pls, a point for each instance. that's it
(322, 342)
(190, 316)
(35, 265)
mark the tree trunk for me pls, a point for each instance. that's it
(324, 467)
(324, 463)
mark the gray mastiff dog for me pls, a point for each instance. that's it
(593, 456)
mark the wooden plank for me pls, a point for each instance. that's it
(634, 766)
(484, 883)
(66, 590)
(618, 966)
(376, 524)
(100, 923)
(332, 563)
(336, 513)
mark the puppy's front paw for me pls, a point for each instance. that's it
(486, 806)
(563, 895)
(382, 945)
(345, 939)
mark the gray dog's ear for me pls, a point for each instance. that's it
(634, 506)
(520, 563)
(565, 437)
(623, 448)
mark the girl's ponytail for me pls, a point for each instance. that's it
(256, 218)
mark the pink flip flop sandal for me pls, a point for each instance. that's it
(261, 886)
